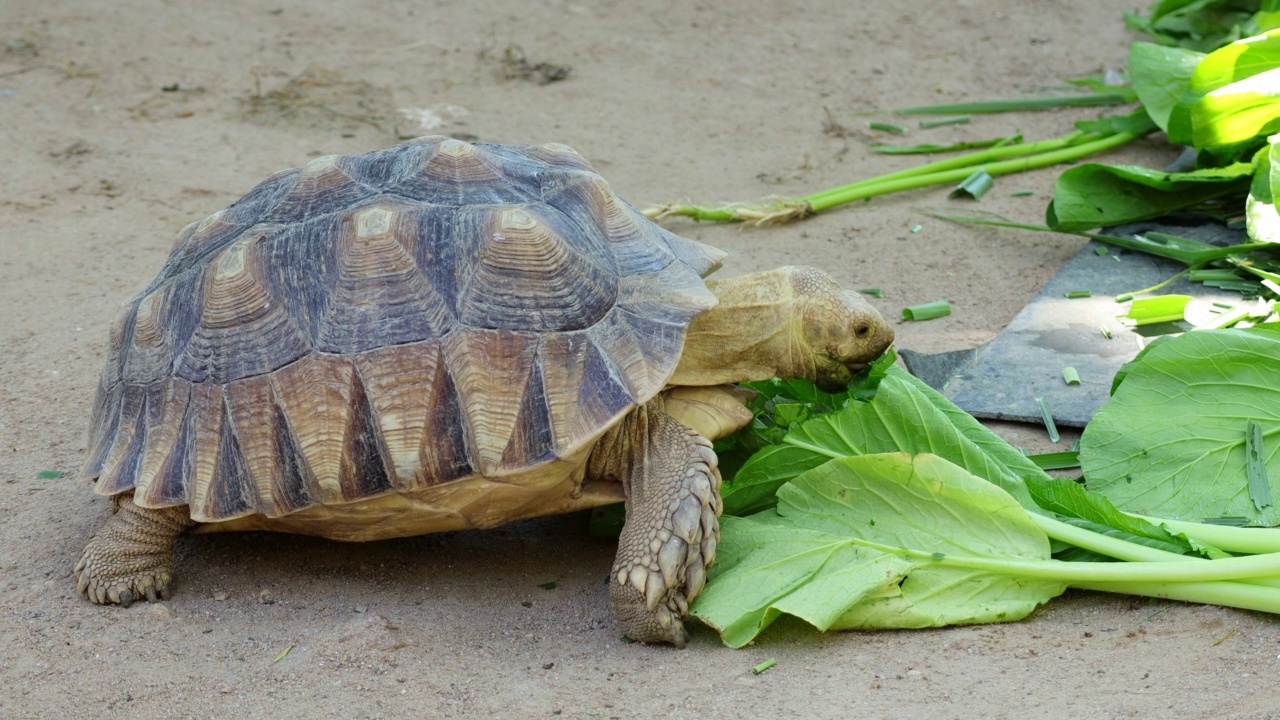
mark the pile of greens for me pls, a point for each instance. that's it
(889, 507)
(902, 511)
(1224, 105)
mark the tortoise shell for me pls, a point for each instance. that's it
(388, 323)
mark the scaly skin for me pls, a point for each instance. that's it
(131, 557)
(792, 322)
(672, 484)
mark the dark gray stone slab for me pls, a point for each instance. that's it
(1001, 379)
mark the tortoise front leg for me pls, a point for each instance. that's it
(131, 557)
(672, 486)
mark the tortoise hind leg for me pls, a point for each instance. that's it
(131, 557)
(669, 539)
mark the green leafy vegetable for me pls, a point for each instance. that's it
(906, 415)
(1171, 441)
(1091, 195)
(1161, 76)
(1239, 111)
(864, 542)
(1260, 207)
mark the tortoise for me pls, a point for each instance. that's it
(439, 336)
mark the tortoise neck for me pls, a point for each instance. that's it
(749, 335)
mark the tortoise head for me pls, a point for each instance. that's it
(793, 322)
(837, 332)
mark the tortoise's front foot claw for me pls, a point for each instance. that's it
(114, 579)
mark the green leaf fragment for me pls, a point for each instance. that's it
(1212, 274)
(50, 475)
(1256, 466)
(940, 122)
(1120, 96)
(1022, 193)
(549, 585)
(974, 186)
(1047, 417)
(764, 666)
(1064, 460)
(932, 148)
(873, 292)
(887, 127)
(927, 311)
(1070, 376)
(1077, 294)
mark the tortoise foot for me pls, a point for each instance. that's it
(131, 558)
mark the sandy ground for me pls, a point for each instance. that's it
(121, 122)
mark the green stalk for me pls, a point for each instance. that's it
(1102, 544)
(1188, 252)
(1123, 549)
(1018, 104)
(996, 161)
(969, 160)
(1226, 594)
(1075, 573)
(859, 191)
(1254, 541)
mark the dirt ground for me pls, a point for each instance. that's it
(122, 122)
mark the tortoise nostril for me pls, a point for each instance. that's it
(862, 331)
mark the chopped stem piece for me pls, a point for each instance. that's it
(939, 122)
(927, 311)
(1049, 425)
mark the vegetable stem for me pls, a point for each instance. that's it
(1001, 160)
(1227, 594)
(1223, 537)
(859, 191)
(1075, 573)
